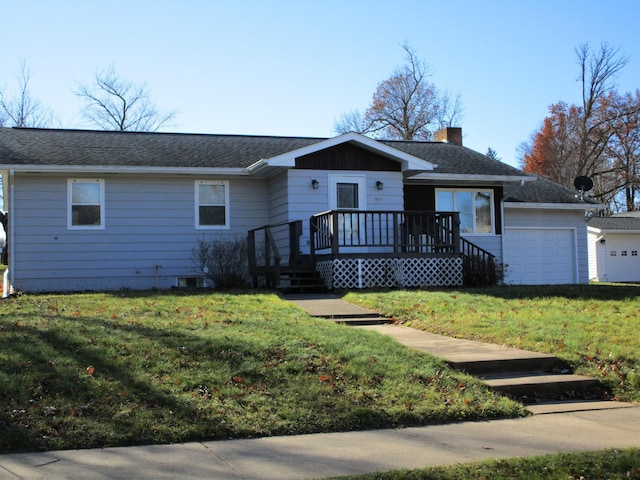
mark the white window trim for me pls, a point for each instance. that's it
(473, 197)
(227, 224)
(70, 182)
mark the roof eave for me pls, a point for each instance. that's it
(552, 206)
(469, 178)
(605, 231)
(75, 169)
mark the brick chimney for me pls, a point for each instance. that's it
(449, 135)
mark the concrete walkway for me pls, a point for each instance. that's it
(334, 454)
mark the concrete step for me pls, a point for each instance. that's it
(533, 388)
(544, 408)
(536, 363)
(356, 320)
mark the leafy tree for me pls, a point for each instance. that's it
(491, 153)
(113, 103)
(405, 106)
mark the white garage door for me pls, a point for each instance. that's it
(539, 256)
(623, 260)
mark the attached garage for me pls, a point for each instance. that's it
(540, 256)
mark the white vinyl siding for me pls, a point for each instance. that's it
(85, 203)
(143, 247)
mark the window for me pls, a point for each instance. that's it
(347, 195)
(85, 203)
(613, 253)
(474, 206)
(212, 204)
(623, 253)
(634, 253)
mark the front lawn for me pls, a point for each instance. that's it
(100, 369)
(595, 327)
(607, 464)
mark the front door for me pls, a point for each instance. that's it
(347, 192)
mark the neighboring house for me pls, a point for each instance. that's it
(614, 243)
(95, 210)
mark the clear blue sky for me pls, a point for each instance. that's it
(293, 67)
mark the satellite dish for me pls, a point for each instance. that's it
(583, 183)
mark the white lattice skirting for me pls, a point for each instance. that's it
(391, 272)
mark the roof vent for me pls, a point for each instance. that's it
(449, 135)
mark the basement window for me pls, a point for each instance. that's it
(190, 282)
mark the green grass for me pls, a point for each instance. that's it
(100, 369)
(593, 327)
(605, 465)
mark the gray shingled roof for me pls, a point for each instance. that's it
(455, 159)
(135, 149)
(615, 223)
(542, 191)
(49, 147)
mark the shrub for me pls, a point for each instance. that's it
(223, 262)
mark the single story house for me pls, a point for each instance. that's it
(100, 210)
(614, 243)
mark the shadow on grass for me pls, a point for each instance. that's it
(59, 384)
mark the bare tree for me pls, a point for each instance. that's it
(598, 72)
(113, 103)
(22, 109)
(406, 106)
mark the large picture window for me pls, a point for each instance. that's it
(212, 204)
(85, 203)
(475, 208)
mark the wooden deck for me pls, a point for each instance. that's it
(367, 249)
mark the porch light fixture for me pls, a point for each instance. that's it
(315, 184)
(379, 185)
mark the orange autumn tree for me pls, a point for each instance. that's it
(556, 147)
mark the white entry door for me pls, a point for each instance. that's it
(347, 192)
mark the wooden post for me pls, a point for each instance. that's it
(295, 231)
(251, 246)
(455, 227)
(335, 241)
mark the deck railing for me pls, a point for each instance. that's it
(395, 232)
(266, 257)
